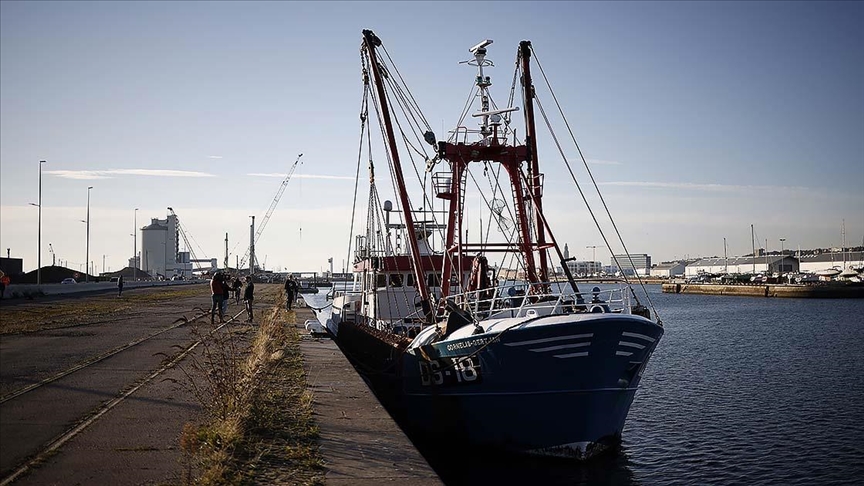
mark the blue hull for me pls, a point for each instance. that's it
(557, 390)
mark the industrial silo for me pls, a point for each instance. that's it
(155, 248)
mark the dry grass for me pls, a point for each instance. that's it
(73, 311)
(259, 427)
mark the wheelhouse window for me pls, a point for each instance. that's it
(395, 279)
(433, 279)
(380, 280)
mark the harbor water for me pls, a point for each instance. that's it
(739, 391)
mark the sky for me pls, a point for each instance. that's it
(699, 119)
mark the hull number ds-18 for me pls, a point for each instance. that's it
(450, 371)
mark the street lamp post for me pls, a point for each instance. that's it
(87, 260)
(782, 257)
(135, 249)
(39, 230)
(39, 237)
(594, 256)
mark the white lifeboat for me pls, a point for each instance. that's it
(848, 273)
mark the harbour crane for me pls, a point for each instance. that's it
(185, 239)
(269, 213)
(53, 255)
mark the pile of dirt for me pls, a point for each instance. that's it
(55, 274)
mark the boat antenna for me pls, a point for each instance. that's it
(488, 149)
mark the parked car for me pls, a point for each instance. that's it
(69, 280)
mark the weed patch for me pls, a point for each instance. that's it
(258, 426)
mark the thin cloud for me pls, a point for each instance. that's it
(301, 176)
(214, 156)
(705, 187)
(109, 174)
(603, 162)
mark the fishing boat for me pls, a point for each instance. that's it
(479, 339)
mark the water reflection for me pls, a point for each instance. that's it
(472, 467)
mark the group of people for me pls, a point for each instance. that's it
(222, 287)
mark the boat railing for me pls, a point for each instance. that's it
(516, 302)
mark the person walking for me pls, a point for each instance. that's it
(290, 292)
(216, 296)
(248, 296)
(236, 286)
(226, 292)
(4, 281)
(119, 285)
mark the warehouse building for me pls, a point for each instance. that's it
(760, 264)
(834, 259)
(669, 269)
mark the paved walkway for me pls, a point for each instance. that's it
(128, 441)
(360, 442)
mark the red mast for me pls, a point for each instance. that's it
(534, 168)
(372, 41)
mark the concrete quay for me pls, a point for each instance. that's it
(107, 424)
(360, 442)
(768, 290)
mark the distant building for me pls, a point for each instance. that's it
(160, 249)
(641, 264)
(509, 274)
(135, 262)
(824, 261)
(739, 265)
(160, 253)
(159, 245)
(669, 269)
(583, 269)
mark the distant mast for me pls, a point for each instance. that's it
(753, 242)
(843, 233)
(251, 248)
